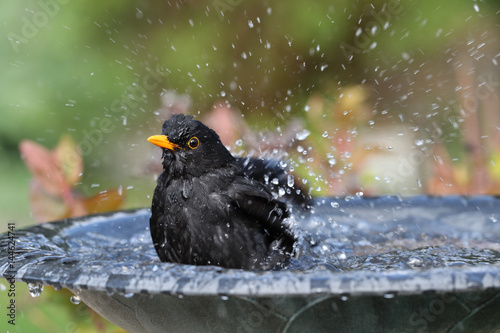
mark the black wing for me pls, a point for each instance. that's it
(255, 199)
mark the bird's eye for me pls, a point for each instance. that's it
(193, 143)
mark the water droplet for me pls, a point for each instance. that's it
(250, 24)
(332, 161)
(415, 262)
(335, 205)
(290, 181)
(325, 134)
(493, 218)
(419, 142)
(302, 135)
(75, 299)
(128, 295)
(239, 142)
(476, 7)
(389, 295)
(281, 192)
(224, 298)
(35, 289)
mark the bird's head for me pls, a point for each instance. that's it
(190, 147)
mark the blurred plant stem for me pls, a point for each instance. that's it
(478, 171)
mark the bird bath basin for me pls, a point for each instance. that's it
(366, 264)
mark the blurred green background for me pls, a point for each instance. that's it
(424, 70)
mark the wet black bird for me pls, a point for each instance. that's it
(208, 210)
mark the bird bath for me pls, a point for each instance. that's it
(378, 264)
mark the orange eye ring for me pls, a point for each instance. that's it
(193, 143)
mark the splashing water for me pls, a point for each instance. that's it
(302, 135)
(336, 235)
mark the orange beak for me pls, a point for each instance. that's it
(162, 141)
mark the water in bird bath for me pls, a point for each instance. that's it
(336, 235)
(410, 236)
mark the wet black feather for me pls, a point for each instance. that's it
(207, 211)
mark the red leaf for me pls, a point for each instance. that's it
(44, 167)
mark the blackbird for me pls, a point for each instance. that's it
(206, 210)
